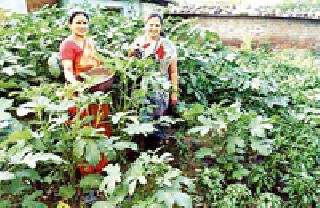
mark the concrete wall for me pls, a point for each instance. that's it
(278, 32)
(128, 8)
(24, 6)
(18, 6)
(146, 8)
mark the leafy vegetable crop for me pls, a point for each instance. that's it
(246, 130)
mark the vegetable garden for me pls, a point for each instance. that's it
(245, 132)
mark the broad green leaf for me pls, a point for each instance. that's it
(262, 147)
(53, 63)
(92, 153)
(4, 124)
(136, 170)
(183, 200)
(115, 199)
(139, 93)
(28, 173)
(5, 203)
(5, 117)
(5, 103)
(169, 120)
(203, 130)
(116, 118)
(31, 159)
(169, 176)
(91, 181)
(125, 145)
(9, 71)
(35, 204)
(23, 111)
(132, 186)
(30, 200)
(188, 182)
(15, 136)
(269, 200)
(233, 142)
(87, 131)
(113, 177)
(143, 128)
(15, 187)
(67, 191)
(166, 197)
(195, 110)
(174, 197)
(17, 152)
(203, 152)
(277, 100)
(6, 175)
(100, 204)
(78, 147)
(258, 126)
(240, 173)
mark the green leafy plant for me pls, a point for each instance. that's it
(248, 120)
(211, 182)
(237, 195)
(269, 200)
(149, 182)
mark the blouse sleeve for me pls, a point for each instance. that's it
(173, 50)
(170, 49)
(66, 51)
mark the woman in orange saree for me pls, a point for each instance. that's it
(78, 54)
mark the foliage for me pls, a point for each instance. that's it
(306, 4)
(211, 182)
(149, 182)
(252, 116)
(269, 130)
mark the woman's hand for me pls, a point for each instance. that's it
(131, 53)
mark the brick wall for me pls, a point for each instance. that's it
(241, 2)
(208, 2)
(278, 32)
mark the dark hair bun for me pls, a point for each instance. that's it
(162, 34)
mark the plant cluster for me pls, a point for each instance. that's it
(248, 119)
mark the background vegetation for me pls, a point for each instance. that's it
(245, 134)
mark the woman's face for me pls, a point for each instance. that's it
(153, 28)
(79, 25)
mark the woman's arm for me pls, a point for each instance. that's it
(174, 81)
(67, 69)
(67, 56)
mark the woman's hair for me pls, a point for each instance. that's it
(74, 13)
(154, 14)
